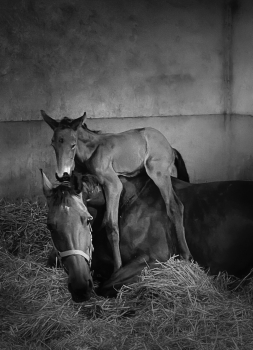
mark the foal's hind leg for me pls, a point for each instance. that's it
(159, 172)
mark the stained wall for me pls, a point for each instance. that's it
(182, 66)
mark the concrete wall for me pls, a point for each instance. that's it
(182, 66)
(242, 63)
(111, 58)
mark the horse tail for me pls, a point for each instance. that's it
(182, 173)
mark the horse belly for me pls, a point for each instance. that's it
(129, 158)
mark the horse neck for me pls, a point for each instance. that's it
(88, 142)
(87, 136)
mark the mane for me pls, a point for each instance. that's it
(87, 183)
(62, 194)
(85, 127)
(65, 123)
(90, 184)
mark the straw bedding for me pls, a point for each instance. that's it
(173, 306)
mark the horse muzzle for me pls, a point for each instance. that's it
(65, 177)
(80, 293)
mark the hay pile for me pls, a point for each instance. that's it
(174, 306)
(23, 230)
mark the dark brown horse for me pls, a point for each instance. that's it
(110, 155)
(218, 224)
(145, 232)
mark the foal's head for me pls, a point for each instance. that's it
(64, 141)
(68, 222)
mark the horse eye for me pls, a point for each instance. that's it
(73, 146)
(61, 140)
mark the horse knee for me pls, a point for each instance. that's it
(112, 232)
(115, 238)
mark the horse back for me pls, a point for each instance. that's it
(129, 150)
(218, 224)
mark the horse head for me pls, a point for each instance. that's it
(64, 142)
(68, 222)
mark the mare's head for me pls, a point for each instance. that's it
(64, 141)
(68, 222)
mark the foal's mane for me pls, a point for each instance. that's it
(85, 127)
(65, 123)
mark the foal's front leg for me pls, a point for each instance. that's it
(112, 188)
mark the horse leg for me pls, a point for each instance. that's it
(112, 191)
(159, 172)
(130, 273)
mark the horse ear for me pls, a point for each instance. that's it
(47, 185)
(78, 122)
(83, 207)
(50, 121)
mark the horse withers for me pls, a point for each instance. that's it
(109, 156)
(68, 222)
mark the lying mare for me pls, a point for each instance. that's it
(218, 220)
(109, 156)
(218, 224)
(145, 232)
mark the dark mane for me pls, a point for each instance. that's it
(84, 126)
(77, 182)
(65, 123)
(62, 194)
(90, 184)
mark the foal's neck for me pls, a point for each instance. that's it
(88, 136)
(88, 142)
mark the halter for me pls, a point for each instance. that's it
(65, 181)
(87, 257)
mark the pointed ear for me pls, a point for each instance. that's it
(47, 185)
(50, 121)
(83, 207)
(78, 122)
